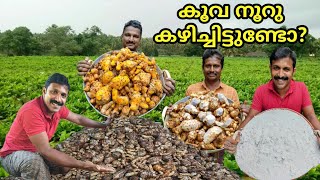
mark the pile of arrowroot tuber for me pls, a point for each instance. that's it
(139, 149)
(205, 120)
(124, 83)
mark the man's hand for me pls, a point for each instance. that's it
(169, 109)
(169, 86)
(245, 107)
(98, 168)
(83, 66)
(230, 145)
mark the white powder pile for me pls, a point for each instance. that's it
(277, 144)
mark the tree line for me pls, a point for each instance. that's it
(63, 41)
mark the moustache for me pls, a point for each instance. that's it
(285, 78)
(56, 102)
(214, 73)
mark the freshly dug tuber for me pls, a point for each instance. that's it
(211, 116)
(127, 79)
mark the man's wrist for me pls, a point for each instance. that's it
(103, 124)
(317, 133)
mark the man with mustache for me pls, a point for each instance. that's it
(131, 38)
(212, 66)
(26, 152)
(280, 92)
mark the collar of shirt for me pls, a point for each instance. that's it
(44, 109)
(221, 85)
(291, 88)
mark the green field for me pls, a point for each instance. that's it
(22, 79)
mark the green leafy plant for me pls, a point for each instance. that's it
(313, 174)
(230, 162)
(3, 173)
(23, 77)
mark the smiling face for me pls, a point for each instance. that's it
(212, 68)
(55, 96)
(282, 71)
(131, 38)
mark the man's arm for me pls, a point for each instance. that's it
(256, 107)
(245, 108)
(252, 113)
(41, 142)
(84, 121)
(309, 113)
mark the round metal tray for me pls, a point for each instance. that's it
(277, 144)
(166, 117)
(161, 78)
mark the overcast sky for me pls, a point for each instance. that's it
(111, 15)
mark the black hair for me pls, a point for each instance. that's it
(210, 53)
(283, 52)
(57, 78)
(135, 24)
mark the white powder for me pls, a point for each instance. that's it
(277, 144)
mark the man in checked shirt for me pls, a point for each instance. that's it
(212, 66)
